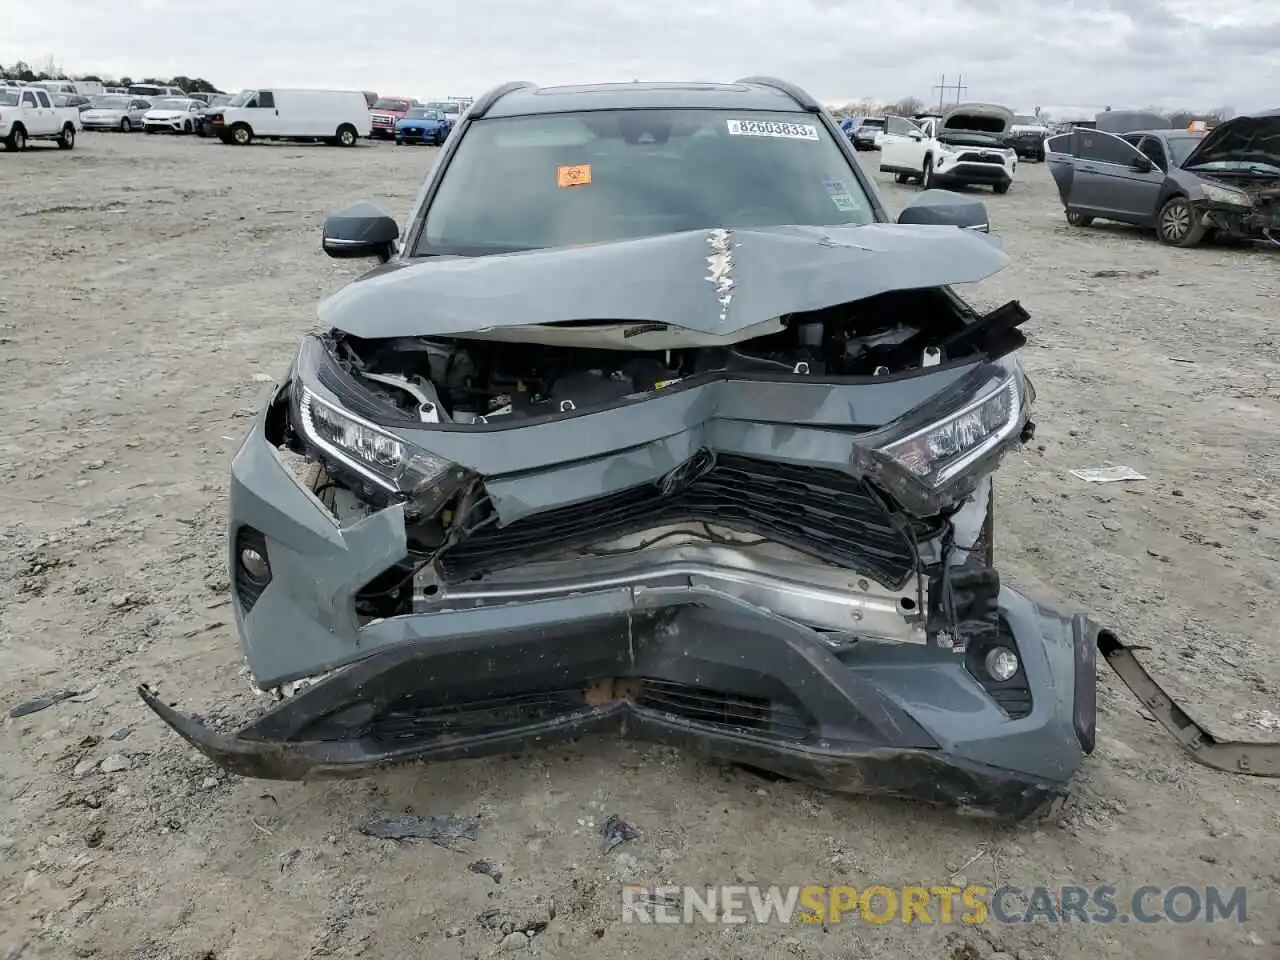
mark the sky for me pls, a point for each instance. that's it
(1199, 54)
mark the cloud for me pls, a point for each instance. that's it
(1133, 53)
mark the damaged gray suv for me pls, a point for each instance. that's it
(652, 421)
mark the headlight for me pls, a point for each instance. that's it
(943, 449)
(376, 455)
(1218, 194)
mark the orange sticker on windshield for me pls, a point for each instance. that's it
(578, 175)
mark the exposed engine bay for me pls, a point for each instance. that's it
(472, 380)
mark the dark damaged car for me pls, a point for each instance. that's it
(653, 422)
(1188, 187)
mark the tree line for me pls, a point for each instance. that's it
(51, 71)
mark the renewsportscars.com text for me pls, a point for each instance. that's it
(941, 904)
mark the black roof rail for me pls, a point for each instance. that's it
(484, 103)
(790, 89)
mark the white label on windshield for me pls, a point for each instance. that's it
(772, 128)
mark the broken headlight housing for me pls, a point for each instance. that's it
(325, 411)
(944, 448)
(1215, 193)
(935, 456)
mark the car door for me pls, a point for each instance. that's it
(1059, 155)
(895, 154)
(1107, 176)
(264, 116)
(50, 116)
(1141, 200)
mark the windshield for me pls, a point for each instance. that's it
(8, 98)
(420, 114)
(1180, 148)
(219, 101)
(520, 183)
(241, 98)
(397, 105)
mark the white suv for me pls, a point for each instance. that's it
(966, 146)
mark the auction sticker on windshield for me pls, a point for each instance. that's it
(577, 175)
(772, 128)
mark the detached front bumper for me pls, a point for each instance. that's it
(697, 670)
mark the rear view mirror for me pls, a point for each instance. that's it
(361, 230)
(942, 207)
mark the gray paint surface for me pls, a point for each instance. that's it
(774, 271)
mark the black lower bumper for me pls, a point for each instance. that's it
(720, 682)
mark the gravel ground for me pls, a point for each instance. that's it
(151, 289)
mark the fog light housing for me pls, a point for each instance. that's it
(255, 564)
(1001, 664)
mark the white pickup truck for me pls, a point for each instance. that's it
(28, 113)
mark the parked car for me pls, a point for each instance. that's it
(338, 117)
(384, 114)
(964, 147)
(28, 113)
(77, 100)
(423, 125)
(213, 109)
(207, 97)
(1188, 187)
(151, 91)
(633, 470)
(1027, 135)
(172, 115)
(111, 112)
(867, 133)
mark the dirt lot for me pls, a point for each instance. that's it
(153, 286)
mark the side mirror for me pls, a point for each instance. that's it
(1142, 164)
(916, 135)
(944, 208)
(361, 230)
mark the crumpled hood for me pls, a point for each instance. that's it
(1243, 139)
(713, 282)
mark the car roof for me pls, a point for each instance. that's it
(1172, 132)
(744, 95)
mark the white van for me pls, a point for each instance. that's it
(338, 117)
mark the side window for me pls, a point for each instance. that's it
(910, 127)
(1154, 151)
(266, 100)
(139, 105)
(29, 99)
(1104, 148)
(1060, 144)
(896, 126)
(44, 99)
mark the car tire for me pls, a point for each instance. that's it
(899, 178)
(1001, 188)
(17, 140)
(67, 138)
(347, 135)
(186, 126)
(926, 175)
(1178, 224)
(241, 135)
(125, 125)
(1078, 219)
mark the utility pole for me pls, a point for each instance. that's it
(943, 87)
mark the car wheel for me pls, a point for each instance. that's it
(1001, 188)
(241, 135)
(1078, 219)
(186, 126)
(347, 136)
(926, 175)
(125, 125)
(67, 138)
(17, 140)
(1178, 223)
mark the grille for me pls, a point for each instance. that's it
(979, 158)
(410, 723)
(824, 513)
(731, 711)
